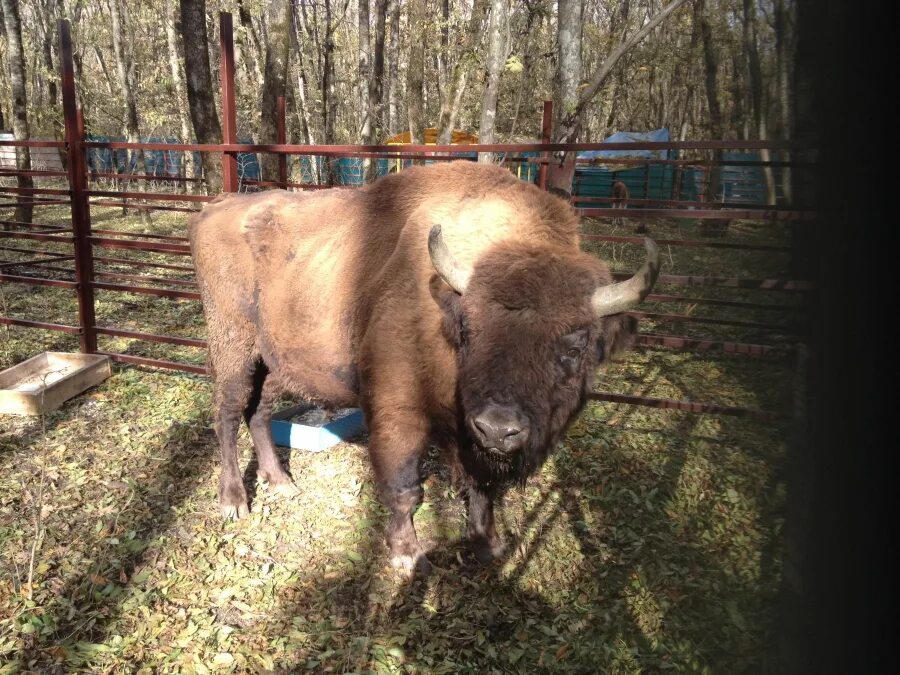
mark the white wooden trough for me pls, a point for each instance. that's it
(309, 428)
(46, 381)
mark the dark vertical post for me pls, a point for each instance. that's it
(282, 140)
(77, 176)
(229, 109)
(546, 132)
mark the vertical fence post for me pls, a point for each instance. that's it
(77, 177)
(546, 131)
(282, 140)
(229, 109)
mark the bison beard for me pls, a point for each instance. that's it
(485, 343)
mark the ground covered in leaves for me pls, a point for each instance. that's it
(651, 541)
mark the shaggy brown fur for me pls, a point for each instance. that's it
(333, 296)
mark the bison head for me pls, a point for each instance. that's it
(530, 325)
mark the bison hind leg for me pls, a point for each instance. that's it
(258, 415)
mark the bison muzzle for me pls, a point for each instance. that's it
(451, 302)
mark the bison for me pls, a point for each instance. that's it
(450, 302)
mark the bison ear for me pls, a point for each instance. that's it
(618, 334)
(451, 310)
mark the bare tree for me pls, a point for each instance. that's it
(278, 51)
(415, 71)
(496, 57)
(17, 79)
(199, 88)
(125, 71)
(393, 77)
(573, 98)
(376, 83)
(364, 71)
(462, 68)
(172, 20)
(756, 93)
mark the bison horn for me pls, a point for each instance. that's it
(624, 295)
(456, 276)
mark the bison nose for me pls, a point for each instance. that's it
(500, 427)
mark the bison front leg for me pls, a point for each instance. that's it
(395, 456)
(482, 531)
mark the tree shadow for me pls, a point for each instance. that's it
(634, 589)
(92, 562)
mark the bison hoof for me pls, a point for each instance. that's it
(417, 563)
(231, 512)
(487, 552)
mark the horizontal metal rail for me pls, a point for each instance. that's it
(660, 297)
(142, 277)
(32, 263)
(168, 237)
(699, 214)
(697, 344)
(151, 337)
(694, 243)
(686, 318)
(43, 325)
(143, 176)
(140, 263)
(680, 203)
(146, 290)
(37, 281)
(34, 226)
(688, 406)
(141, 207)
(726, 282)
(32, 144)
(156, 363)
(160, 196)
(342, 150)
(155, 247)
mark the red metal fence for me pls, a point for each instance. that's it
(84, 278)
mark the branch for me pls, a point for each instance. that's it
(606, 67)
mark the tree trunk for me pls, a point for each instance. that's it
(329, 100)
(574, 99)
(756, 93)
(376, 83)
(125, 71)
(393, 79)
(17, 77)
(783, 66)
(278, 51)
(172, 29)
(253, 51)
(364, 72)
(199, 88)
(711, 78)
(465, 62)
(415, 71)
(496, 57)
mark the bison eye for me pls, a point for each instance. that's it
(573, 353)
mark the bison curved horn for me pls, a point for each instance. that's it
(456, 276)
(624, 295)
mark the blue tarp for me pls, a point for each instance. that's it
(655, 136)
